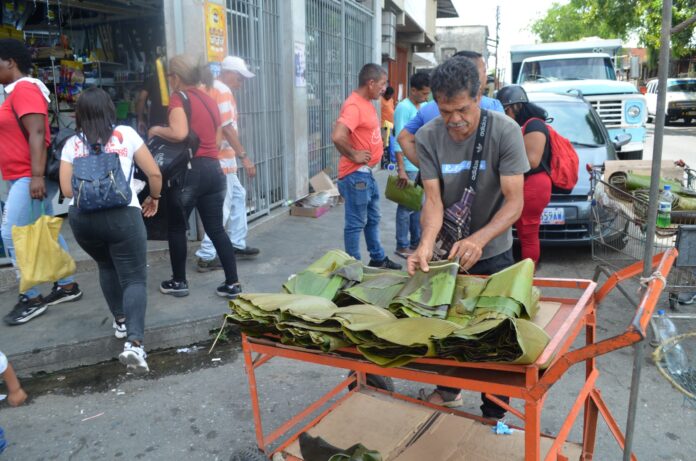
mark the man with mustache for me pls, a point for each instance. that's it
(449, 148)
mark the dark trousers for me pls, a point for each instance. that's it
(485, 267)
(116, 239)
(204, 188)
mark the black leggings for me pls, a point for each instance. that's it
(204, 188)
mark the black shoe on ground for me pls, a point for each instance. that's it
(246, 253)
(229, 291)
(386, 263)
(60, 294)
(25, 310)
(174, 288)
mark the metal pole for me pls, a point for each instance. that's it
(639, 348)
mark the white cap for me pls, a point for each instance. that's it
(236, 64)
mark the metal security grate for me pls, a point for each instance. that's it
(610, 111)
(254, 34)
(334, 59)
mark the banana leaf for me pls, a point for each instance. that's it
(630, 182)
(428, 294)
(361, 314)
(495, 338)
(379, 290)
(313, 339)
(510, 291)
(397, 342)
(321, 278)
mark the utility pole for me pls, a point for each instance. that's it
(497, 43)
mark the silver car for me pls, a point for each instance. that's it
(567, 219)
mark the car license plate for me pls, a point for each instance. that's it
(553, 216)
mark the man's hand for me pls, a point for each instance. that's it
(420, 259)
(249, 167)
(467, 252)
(403, 179)
(37, 188)
(361, 156)
(16, 397)
(152, 132)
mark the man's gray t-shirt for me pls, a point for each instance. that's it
(442, 158)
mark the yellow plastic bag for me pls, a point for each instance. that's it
(39, 256)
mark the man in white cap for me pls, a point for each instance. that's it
(232, 75)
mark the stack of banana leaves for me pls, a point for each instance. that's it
(639, 186)
(393, 319)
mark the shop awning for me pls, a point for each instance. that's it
(445, 9)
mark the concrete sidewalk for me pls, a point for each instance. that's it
(80, 333)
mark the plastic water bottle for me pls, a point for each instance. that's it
(664, 207)
(675, 358)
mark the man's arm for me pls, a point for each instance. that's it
(341, 139)
(431, 221)
(232, 136)
(140, 111)
(407, 141)
(469, 250)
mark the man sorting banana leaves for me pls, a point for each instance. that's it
(472, 164)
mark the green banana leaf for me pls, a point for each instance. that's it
(630, 181)
(495, 338)
(379, 290)
(508, 287)
(410, 196)
(321, 278)
(428, 294)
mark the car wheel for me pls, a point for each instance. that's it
(688, 121)
(635, 155)
(380, 382)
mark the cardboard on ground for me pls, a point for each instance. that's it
(322, 184)
(403, 431)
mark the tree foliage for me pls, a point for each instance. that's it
(616, 19)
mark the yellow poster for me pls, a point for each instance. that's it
(215, 32)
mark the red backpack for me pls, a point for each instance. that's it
(564, 161)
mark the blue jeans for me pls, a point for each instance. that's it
(361, 193)
(407, 221)
(22, 210)
(234, 218)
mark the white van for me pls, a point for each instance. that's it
(681, 99)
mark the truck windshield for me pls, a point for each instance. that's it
(575, 121)
(686, 86)
(599, 68)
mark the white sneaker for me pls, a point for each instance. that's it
(120, 329)
(133, 357)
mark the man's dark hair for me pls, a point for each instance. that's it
(388, 92)
(370, 71)
(454, 76)
(468, 54)
(420, 80)
(18, 52)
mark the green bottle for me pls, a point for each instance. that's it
(664, 207)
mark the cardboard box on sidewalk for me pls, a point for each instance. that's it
(320, 201)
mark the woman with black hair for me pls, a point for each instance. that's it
(24, 137)
(115, 237)
(537, 182)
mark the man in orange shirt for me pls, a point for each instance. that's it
(387, 105)
(357, 138)
(232, 75)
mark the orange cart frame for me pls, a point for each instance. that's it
(527, 382)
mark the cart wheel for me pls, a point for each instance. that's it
(380, 382)
(249, 454)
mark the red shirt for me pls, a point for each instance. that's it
(15, 160)
(205, 120)
(360, 116)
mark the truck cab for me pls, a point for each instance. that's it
(622, 108)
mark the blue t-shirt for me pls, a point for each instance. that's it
(404, 112)
(430, 111)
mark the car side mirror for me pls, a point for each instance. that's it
(621, 140)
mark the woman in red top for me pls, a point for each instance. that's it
(24, 137)
(204, 184)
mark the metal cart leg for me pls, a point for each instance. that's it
(532, 430)
(249, 364)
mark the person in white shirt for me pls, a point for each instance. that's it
(115, 237)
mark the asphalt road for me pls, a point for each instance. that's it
(679, 143)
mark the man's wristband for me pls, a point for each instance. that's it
(155, 198)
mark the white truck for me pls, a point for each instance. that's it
(586, 67)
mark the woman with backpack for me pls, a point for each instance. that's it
(203, 184)
(24, 137)
(537, 181)
(105, 216)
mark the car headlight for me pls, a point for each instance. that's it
(633, 111)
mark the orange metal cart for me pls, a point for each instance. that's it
(530, 383)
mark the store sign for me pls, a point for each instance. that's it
(215, 32)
